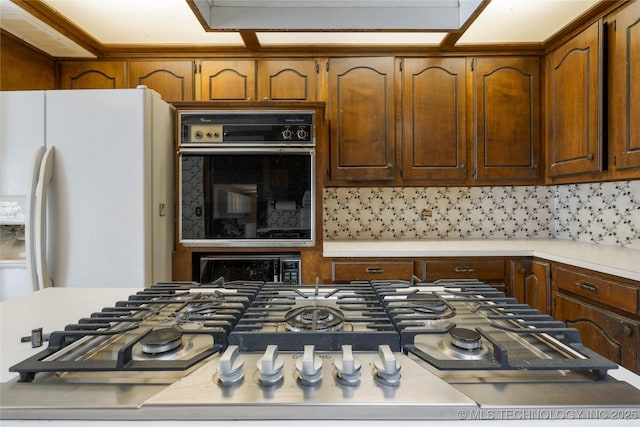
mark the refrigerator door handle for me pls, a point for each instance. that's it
(46, 174)
(36, 162)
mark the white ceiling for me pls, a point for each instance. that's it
(173, 23)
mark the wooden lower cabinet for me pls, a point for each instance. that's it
(531, 283)
(609, 334)
(345, 271)
(490, 271)
(604, 308)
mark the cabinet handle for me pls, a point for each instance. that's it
(464, 270)
(588, 286)
(374, 270)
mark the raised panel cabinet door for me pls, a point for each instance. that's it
(434, 141)
(531, 283)
(574, 110)
(173, 80)
(92, 75)
(506, 101)
(284, 80)
(228, 80)
(624, 88)
(361, 115)
(612, 336)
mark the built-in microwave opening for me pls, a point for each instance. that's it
(283, 268)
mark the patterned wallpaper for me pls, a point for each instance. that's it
(602, 213)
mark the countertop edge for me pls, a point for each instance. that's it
(617, 261)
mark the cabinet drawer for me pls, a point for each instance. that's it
(346, 271)
(621, 296)
(611, 335)
(485, 270)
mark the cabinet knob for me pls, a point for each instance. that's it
(626, 330)
(588, 286)
(589, 156)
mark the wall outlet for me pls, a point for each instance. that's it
(424, 214)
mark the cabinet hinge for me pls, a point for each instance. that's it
(400, 64)
(614, 160)
(317, 68)
(473, 63)
(474, 172)
(327, 66)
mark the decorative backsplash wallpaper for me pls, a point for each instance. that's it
(603, 213)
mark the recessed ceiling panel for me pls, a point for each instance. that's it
(141, 22)
(520, 21)
(355, 38)
(24, 26)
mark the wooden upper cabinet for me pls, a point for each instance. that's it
(228, 80)
(506, 101)
(624, 88)
(288, 80)
(574, 104)
(92, 75)
(173, 80)
(362, 122)
(434, 139)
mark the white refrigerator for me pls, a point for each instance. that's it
(86, 189)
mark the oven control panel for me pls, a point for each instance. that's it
(245, 128)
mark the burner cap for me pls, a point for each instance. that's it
(427, 303)
(314, 318)
(466, 339)
(161, 341)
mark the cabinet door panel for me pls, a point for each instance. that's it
(574, 112)
(531, 283)
(228, 80)
(173, 80)
(604, 332)
(92, 75)
(507, 122)
(434, 118)
(362, 119)
(288, 80)
(624, 82)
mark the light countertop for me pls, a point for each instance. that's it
(623, 262)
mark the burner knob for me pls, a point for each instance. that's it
(270, 366)
(347, 366)
(230, 366)
(387, 367)
(310, 366)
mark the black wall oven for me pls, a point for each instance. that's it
(247, 178)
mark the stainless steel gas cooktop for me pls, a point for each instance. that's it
(364, 350)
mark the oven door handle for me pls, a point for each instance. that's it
(262, 149)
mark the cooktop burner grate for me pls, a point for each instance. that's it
(321, 316)
(451, 325)
(162, 328)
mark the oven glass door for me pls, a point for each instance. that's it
(250, 197)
